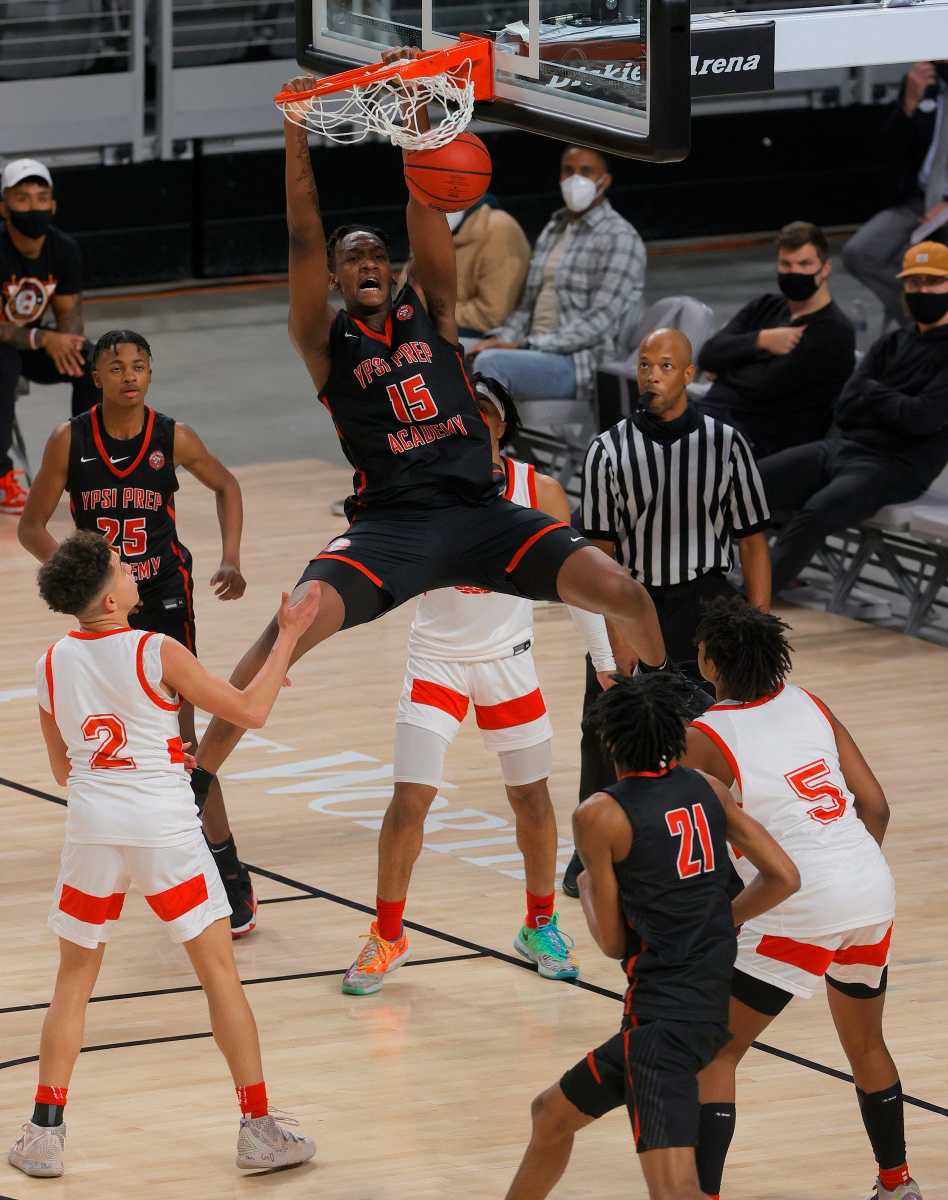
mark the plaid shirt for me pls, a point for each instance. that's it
(599, 279)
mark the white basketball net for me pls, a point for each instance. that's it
(390, 107)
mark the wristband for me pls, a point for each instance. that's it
(644, 668)
(33, 334)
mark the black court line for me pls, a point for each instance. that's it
(196, 987)
(280, 900)
(156, 1041)
(488, 952)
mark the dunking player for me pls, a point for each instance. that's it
(117, 461)
(426, 512)
(471, 646)
(108, 701)
(799, 772)
(654, 891)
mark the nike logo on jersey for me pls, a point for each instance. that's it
(352, 335)
(576, 539)
(112, 460)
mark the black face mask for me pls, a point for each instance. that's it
(927, 308)
(796, 286)
(32, 224)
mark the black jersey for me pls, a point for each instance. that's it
(673, 887)
(405, 411)
(125, 490)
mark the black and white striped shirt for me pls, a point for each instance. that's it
(672, 497)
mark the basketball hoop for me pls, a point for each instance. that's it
(386, 98)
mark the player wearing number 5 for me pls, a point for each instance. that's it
(117, 461)
(796, 769)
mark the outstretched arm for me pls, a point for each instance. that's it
(44, 495)
(310, 314)
(191, 453)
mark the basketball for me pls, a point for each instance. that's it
(452, 177)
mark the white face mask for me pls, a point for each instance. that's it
(455, 219)
(578, 192)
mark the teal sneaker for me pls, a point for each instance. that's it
(549, 947)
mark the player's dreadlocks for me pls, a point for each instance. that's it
(748, 647)
(119, 337)
(344, 230)
(642, 722)
(75, 574)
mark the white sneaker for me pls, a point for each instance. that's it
(264, 1144)
(39, 1150)
(904, 1191)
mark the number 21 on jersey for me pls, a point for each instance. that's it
(683, 823)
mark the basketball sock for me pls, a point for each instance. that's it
(389, 918)
(538, 906)
(884, 1119)
(253, 1100)
(48, 1105)
(201, 781)
(715, 1130)
(225, 855)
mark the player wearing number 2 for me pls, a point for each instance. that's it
(796, 769)
(117, 461)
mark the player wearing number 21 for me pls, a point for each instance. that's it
(797, 770)
(117, 461)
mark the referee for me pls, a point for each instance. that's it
(667, 492)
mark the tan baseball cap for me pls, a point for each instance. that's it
(927, 258)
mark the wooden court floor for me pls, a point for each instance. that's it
(423, 1090)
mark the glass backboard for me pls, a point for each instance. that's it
(613, 74)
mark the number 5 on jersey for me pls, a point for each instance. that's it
(682, 823)
(411, 400)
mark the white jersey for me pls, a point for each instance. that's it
(470, 624)
(127, 782)
(787, 775)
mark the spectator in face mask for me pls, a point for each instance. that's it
(492, 255)
(586, 276)
(781, 361)
(890, 439)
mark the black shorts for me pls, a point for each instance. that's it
(652, 1069)
(390, 556)
(168, 609)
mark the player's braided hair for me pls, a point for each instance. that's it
(72, 578)
(119, 337)
(642, 722)
(748, 647)
(492, 387)
(342, 231)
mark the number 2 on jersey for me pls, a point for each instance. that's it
(109, 731)
(682, 823)
(411, 400)
(810, 783)
(134, 536)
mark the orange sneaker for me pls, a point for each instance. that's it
(12, 493)
(376, 960)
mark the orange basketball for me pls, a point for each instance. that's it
(452, 177)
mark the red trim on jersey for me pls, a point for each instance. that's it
(514, 562)
(723, 747)
(186, 576)
(511, 472)
(532, 484)
(100, 446)
(49, 680)
(385, 337)
(362, 482)
(510, 713)
(628, 1072)
(812, 959)
(351, 562)
(180, 899)
(821, 706)
(648, 774)
(732, 705)
(593, 1069)
(88, 635)
(467, 379)
(170, 511)
(167, 705)
(94, 910)
(865, 956)
(436, 695)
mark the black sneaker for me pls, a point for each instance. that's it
(243, 902)
(570, 875)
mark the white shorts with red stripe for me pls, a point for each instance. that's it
(180, 883)
(508, 705)
(854, 956)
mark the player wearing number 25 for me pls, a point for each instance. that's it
(117, 461)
